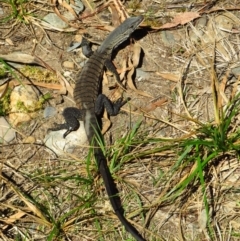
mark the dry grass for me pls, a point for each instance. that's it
(177, 171)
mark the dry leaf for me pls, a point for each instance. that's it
(107, 123)
(132, 86)
(182, 19)
(15, 217)
(115, 17)
(69, 8)
(17, 57)
(153, 105)
(124, 69)
(136, 54)
(121, 10)
(65, 85)
(105, 79)
(9, 41)
(131, 65)
(169, 76)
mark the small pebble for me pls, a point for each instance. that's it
(49, 111)
(29, 140)
(68, 64)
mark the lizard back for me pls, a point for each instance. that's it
(87, 90)
(88, 82)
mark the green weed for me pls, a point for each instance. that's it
(18, 10)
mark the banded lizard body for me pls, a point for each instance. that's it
(90, 104)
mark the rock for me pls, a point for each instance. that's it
(23, 101)
(49, 111)
(67, 74)
(198, 30)
(29, 140)
(142, 75)
(7, 133)
(74, 46)
(55, 21)
(168, 38)
(236, 71)
(54, 140)
(68, 64)
(1, 11)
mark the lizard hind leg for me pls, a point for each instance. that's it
(112, 108)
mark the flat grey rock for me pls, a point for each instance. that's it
(54, 140)
(142, 75)
(236, 71)
(7, 133)
(49, 111)
(55, 21)
(168, 38)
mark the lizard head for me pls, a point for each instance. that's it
(121, 33)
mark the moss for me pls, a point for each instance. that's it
(2, 73)
(36, 106)
(40, 75)
(5, 103)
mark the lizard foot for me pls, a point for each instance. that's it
(112, 108)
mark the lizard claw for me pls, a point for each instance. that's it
(121, 103)
(67, 132)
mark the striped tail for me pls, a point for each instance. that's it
(113, 194)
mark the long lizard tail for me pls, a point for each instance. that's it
(113, 194)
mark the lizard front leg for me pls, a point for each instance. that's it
(72, 115)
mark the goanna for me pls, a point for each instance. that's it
(90, 103)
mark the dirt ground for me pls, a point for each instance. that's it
(41, 192)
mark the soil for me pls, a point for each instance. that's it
(159, 106)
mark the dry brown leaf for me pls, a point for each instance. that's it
(15, 217)
(124, 69)
(105, 79)
(65, 85)
(9, 41)
(132, 63)
(132, 86)
(182, 19)
(121, 10)
(118, 6)
(69, 8)
(17, 57)
(153, 105)
(99, 9)
(115, 17)
(169, 76)
(107, 123)
(13, 83)
(136, 54)
(58, 13)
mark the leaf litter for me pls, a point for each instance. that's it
(202, 57)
